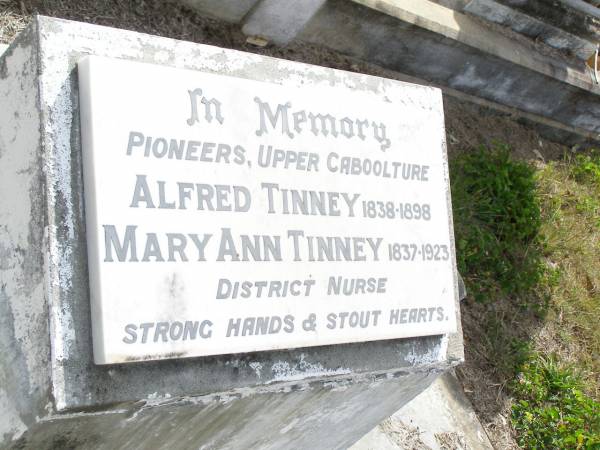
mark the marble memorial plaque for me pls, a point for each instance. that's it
(229, 215)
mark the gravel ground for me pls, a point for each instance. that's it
(467, 125)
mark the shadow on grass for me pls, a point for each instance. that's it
(497, 220)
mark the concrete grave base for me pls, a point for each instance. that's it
(439, 418)
(51, 393)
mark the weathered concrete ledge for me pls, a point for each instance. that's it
(483, 48)
(457, 55)
(581, 21)
(51, 393)
(533, 28)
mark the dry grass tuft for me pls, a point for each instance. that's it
(571, 207)
(404, 436)
(11, 23)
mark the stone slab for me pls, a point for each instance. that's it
(133, 178)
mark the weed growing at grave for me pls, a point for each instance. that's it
(497, 221)
(552, 410)
(586, 168)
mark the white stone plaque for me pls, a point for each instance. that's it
(229, 215)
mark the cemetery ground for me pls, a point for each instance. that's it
(528, 245)
(527, 228)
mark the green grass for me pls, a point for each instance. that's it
(528, 247)
(586, 169)
(497, 222)
(552, 410)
